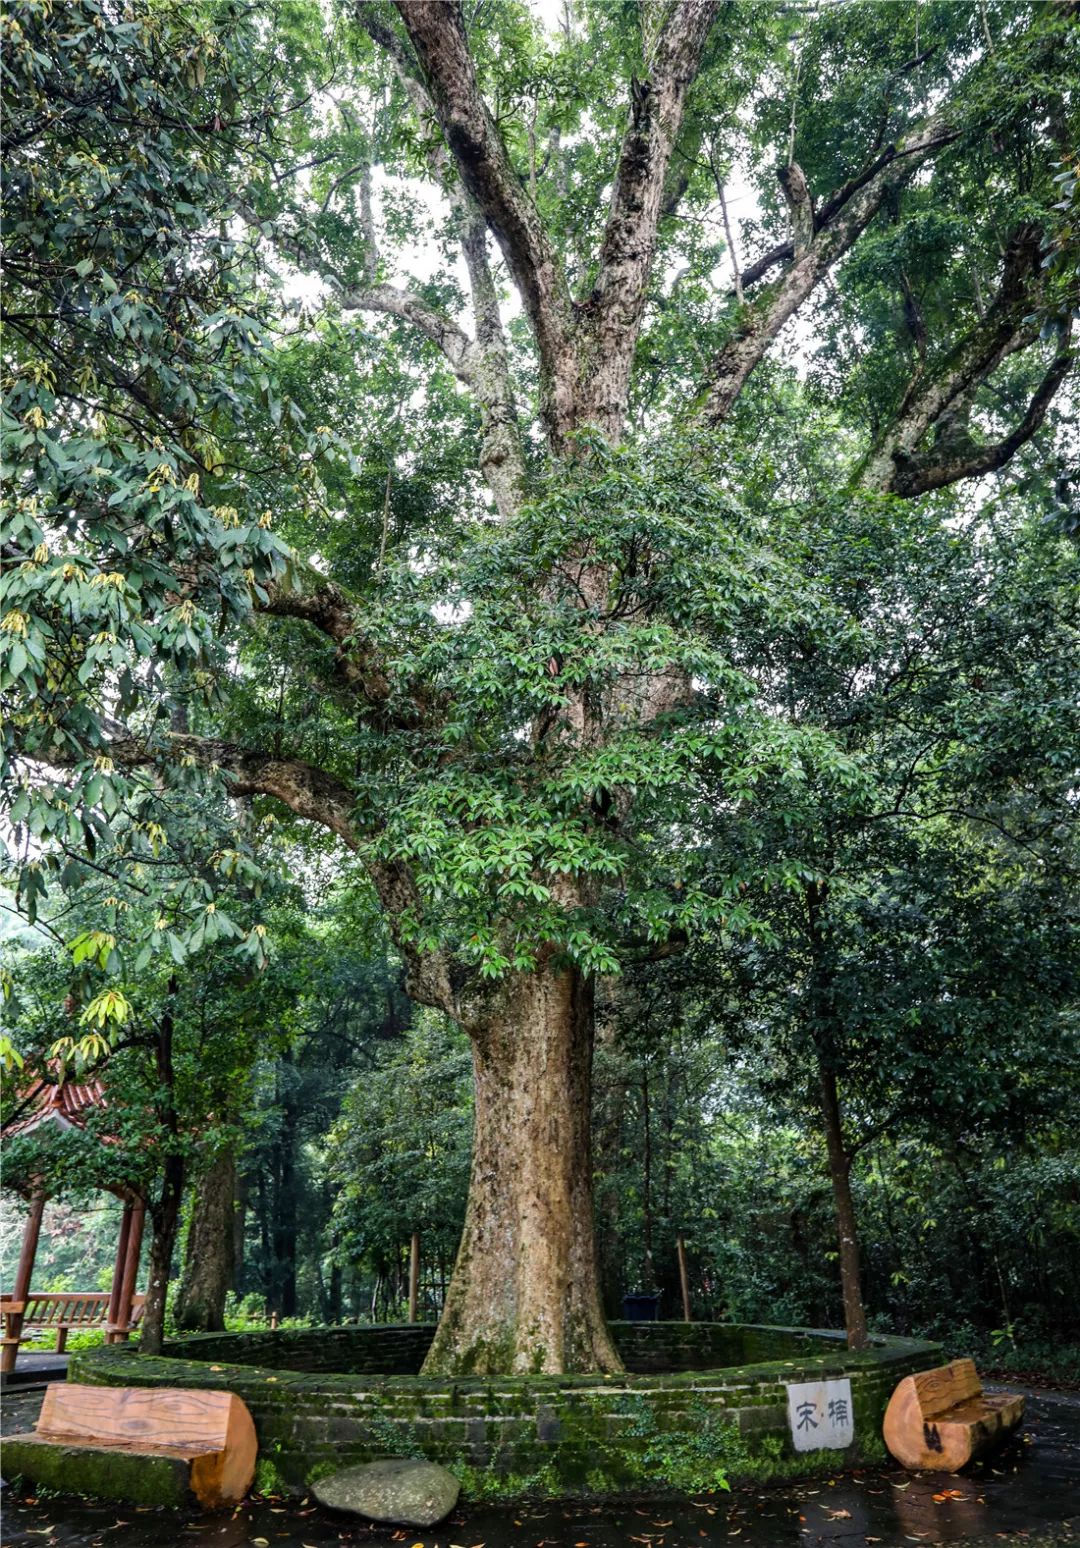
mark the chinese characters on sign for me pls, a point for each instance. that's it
(820, 1414)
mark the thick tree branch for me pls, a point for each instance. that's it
(455, 344)
(921, 474)
(826, 214)
(766, 315)
(390, 300)
(438, 35)
(612, 313)
(318, 797)
(306, 790)
(1009, 325)
(501, 458)
(318, 601)
(796, 191)
(359, 666)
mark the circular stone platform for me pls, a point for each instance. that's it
(699, 1400)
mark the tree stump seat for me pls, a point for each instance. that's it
(147, 1445)
(940, 1420)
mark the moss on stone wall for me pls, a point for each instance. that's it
(685, 1429)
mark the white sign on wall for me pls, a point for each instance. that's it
(820, 1414)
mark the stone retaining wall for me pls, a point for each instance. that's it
(509, 1436)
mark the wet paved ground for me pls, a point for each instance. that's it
(30, 1367)
(1029, 1495)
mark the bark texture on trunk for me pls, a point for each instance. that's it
(208, 1259)
(525, 1293)
(847, 1230)
(609, 1111)
(166, 1220)
(165, 1213)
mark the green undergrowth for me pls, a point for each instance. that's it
(268, 1479)
(699, 1456)
(481, 1484)
(46, 1344)
(1015, 1356)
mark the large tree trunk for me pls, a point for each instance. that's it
(208, 1260)
(847, 1230)
(525, 1290)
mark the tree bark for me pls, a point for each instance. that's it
(847, 1230)
(165, 1215)
(821, 988)
(240, 1211)
(609, 1110)
(209, 1257)
(525, 1293)
(285, 1226)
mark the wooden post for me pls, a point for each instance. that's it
(684, 1280)
(414, 1275)
(113, 1315)
(23, 1276)
(131, 1269)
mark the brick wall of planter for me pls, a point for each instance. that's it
(511, 1435)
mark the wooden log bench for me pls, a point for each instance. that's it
(67, 1311)
(940, 1420)
(148, 1445)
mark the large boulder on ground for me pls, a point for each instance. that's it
(399, 1489)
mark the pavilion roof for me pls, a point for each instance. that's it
(65, 1104)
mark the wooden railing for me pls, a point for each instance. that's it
(64, 1311)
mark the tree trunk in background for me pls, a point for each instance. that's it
(609, 1109)
(648, 1270)
(239, 1232)
(283, 1225)
(823, 1028)
(525, 1294)
(840, 1177)
(208, 1261)
(336, 1310)
(165, 1215)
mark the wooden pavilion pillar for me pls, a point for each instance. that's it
(112, 1319)
(13, 1320)
(131, 1268)
(414, 1275)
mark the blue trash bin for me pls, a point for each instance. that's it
(641, 1308)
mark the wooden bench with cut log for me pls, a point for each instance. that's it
(940, 1420)
(149, 1445)
(67, 1311)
